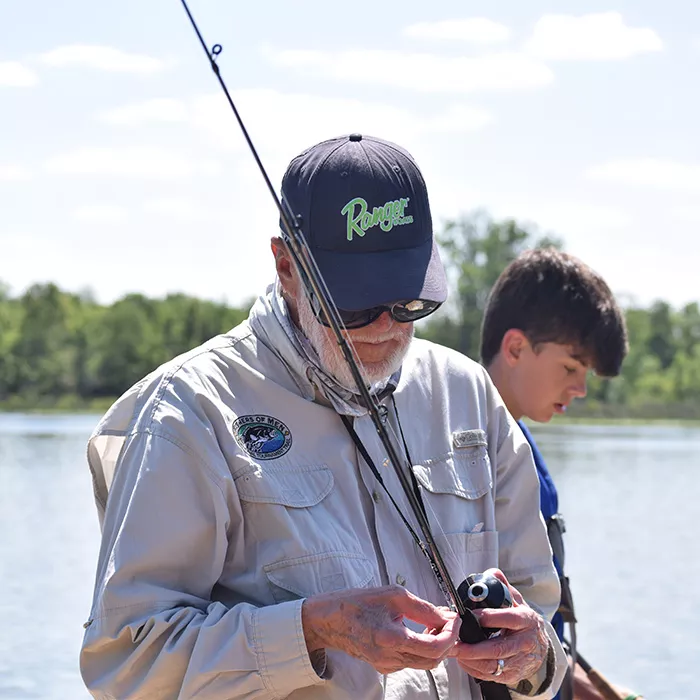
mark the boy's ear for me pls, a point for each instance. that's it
(512, 346)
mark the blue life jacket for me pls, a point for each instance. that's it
(549, 505)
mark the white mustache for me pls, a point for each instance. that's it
(374, 340)
(397, 335)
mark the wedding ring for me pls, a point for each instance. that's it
(501, 666)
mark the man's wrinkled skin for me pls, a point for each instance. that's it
(368, 625)
(522, 645)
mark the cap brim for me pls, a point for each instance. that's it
(359, 281)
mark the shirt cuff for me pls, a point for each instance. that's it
(283, 658)
(546, 682)
(539, 681)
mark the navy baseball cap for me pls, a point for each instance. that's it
(366, 218)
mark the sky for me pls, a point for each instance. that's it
(122, 168)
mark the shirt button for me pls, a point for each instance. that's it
(400, 580)
(376, 496)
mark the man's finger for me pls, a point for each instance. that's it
(498, 648)
(433, 646)
(481, 669)
(507, 618)
(419, 610)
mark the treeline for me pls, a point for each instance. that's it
(64, 350)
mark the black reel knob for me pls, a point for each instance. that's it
(481, 591)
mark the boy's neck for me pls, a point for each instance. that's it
(500, 375)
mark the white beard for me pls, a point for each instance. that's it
(331, 358)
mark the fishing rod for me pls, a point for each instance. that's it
(601, 683)
(470, 630)
(314, 282)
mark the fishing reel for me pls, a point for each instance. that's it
(481, 591)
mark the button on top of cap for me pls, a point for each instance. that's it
(355, 137)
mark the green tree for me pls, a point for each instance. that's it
(661, 341)
(689, 327)
(136, 334)
(10, 325)
(45, 353)
(125, 343)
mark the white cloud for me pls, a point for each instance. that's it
(149, 163)
(156, 110)
(103, 58)
(421, 72)
(14, 74)
(594, 37)
(475, 30)
(101, 214)
(458, 118)
(649, 172)
(13, 173)
(187, 210)
(308, 118)
(690, 215)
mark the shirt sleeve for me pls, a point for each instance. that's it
(525, 556)
(154, 630)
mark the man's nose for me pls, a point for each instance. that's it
(384, 323)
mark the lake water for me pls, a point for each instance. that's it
(629, 494)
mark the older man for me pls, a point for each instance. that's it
(250, 546)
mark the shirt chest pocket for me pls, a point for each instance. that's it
(296, 528)
(464, 472)
(286, 510)
(456, 489)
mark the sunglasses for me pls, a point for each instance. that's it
(400, 311)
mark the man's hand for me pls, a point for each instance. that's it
(522, 645)
(367, 623)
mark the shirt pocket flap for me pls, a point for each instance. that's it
(463, 472)
(296, 487)
(320, 573)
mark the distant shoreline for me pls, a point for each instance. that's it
(603, 420)
(76, 406)
(69, 405)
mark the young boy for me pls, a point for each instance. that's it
(549, 320)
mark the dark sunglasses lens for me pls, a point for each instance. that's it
(407, 311)
(358, 319)
(349, 319)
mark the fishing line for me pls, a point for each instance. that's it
(314, 282)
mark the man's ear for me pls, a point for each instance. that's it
(513, 345)
(283, 265)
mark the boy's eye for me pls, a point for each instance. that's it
(570, 370)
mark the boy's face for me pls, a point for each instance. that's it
(545, 380)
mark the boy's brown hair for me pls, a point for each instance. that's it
(554, 297)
